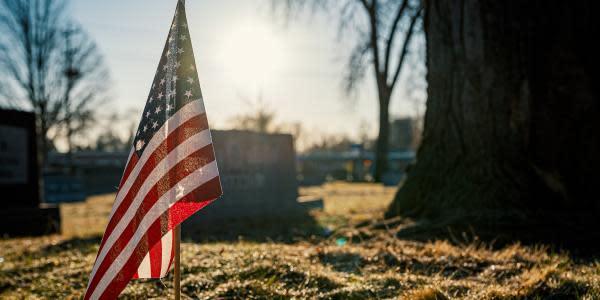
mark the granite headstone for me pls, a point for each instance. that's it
(258, 177)
(21, 211)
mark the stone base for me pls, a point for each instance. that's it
(28, 221)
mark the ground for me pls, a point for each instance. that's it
(344, 253)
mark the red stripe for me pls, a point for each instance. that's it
(155, 254)
(156, 250)
(128, 168)
(185, 167)
(117, 285)
(187, 206)
(182, 133)
(120, 281)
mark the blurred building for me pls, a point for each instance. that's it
(354, 164)
(73, 177)
(402, 134)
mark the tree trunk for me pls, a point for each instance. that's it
(43, 140)
(382, 146)
(513, 113)
(42, 154)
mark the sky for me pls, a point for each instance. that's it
(243, 52)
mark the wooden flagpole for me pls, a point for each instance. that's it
(177, 265)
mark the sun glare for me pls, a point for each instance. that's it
(252, 54)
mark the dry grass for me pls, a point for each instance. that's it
(88, 218)
(372, 264)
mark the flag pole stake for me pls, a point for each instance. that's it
(177, 266)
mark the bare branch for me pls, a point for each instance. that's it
(371, 9)
(390, 40)
(356, 66)
(404, 51)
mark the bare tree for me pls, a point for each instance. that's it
(259, 117)
(49, 65)
(384, 30)
(113, 125)
(85, 84)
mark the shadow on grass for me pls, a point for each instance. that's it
(13, 278)
(250, 291)
(450, 267)
(291, 279)
(84, 245)
(578, 234)
(565, 289)
(343, 261)
(287, 228)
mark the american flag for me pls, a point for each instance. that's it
(170, 174)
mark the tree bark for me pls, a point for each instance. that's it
(513, 112)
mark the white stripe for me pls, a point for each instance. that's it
(166, 242)
(167, 246)
(192, 181)
(144, 268)
(183, 150)
(185, 113)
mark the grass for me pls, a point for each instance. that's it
(371, 264)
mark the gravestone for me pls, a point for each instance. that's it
(21, 212)
(258, 177)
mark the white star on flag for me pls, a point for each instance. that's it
(139, 145)
(180, 189)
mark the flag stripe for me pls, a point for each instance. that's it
(182, 133)
(155, 251)
(181, 152)
(172, 238)
(179, 172)
(144, 268)
(187, 112)
(131, 162)
(189, 205)
(167, 252)
(113, 289)
(194, 180)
